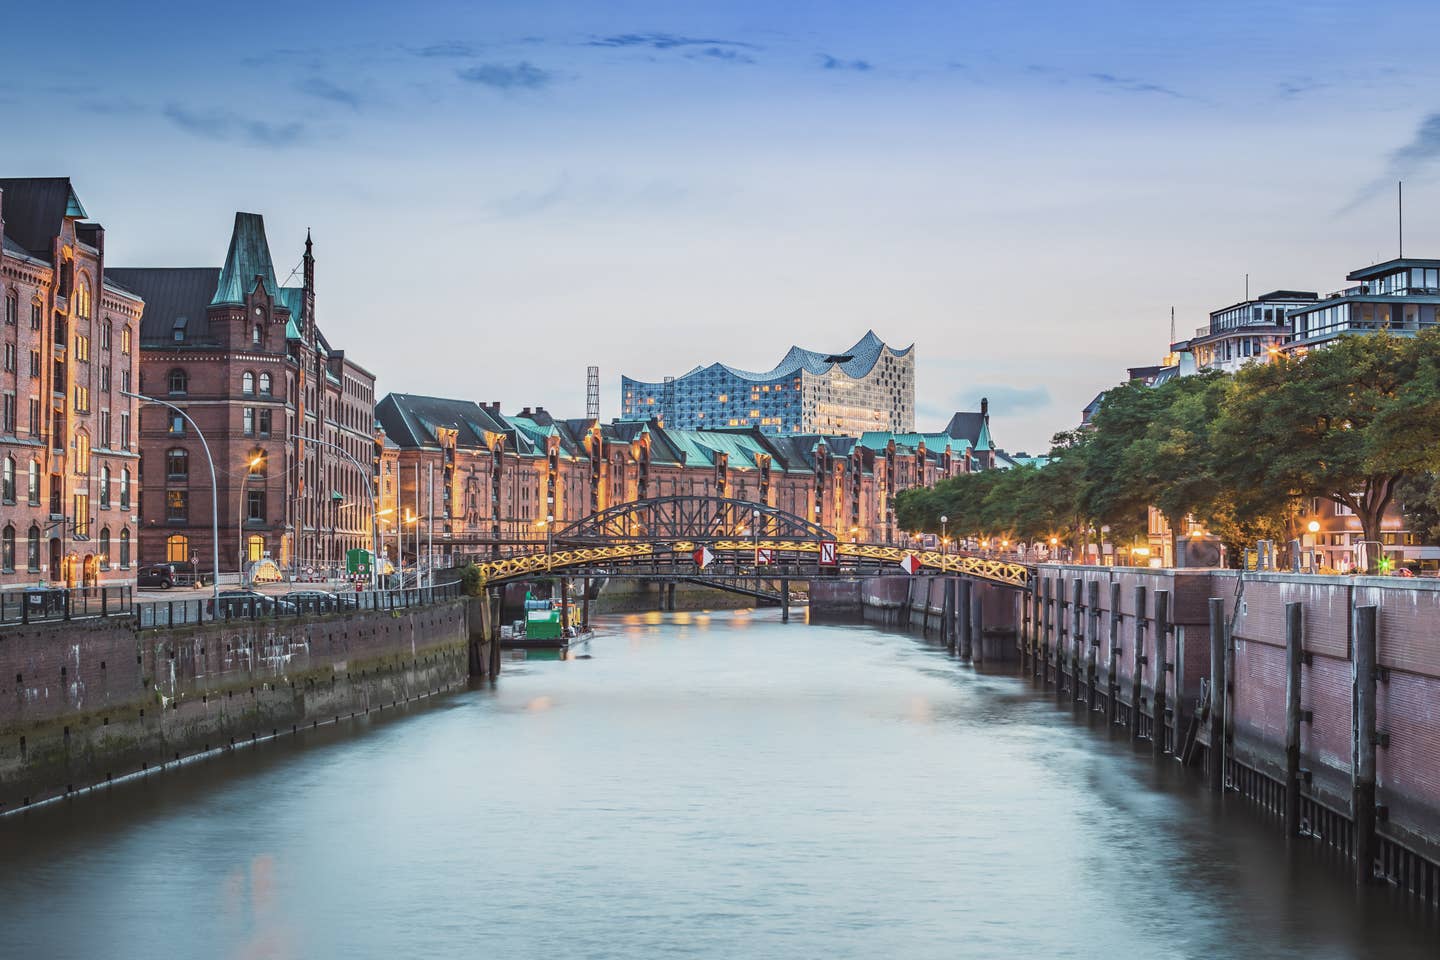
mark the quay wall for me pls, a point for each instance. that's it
(1072, 645)
(95, 700)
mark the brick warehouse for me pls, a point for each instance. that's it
(67, 448)
(497, 479)
(241, 353)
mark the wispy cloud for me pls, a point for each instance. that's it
(828, 62)
(227, 126)
(115, 107)
(1134, 85)
(664, 41)
(324, 89)
(447, 49)
(1420, 152)
(1299, 86)
(723, 54)
(508, 76)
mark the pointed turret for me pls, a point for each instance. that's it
(247, 262)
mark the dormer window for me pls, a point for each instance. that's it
(178, 328)
(256, 333)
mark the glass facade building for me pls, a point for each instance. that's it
(866, 388)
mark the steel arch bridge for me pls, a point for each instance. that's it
(658, 537)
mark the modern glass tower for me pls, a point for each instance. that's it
(868, 387)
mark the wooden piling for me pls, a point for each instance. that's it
(946, 616)
(585, 605)
(1363, 742)
(1162, 670)
(1044, 665)
(784, 601)
(963, 620)
(1112, 664)
(977, 626)
(1215, 762)
(1294, 657)
(1077, 636)
(1138, 662)
(1092, 637)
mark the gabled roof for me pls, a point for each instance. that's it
(249, 257)
(170, 293)
(35, 208)
(411, 420)
(966, 426)
(856, 362)
(935, 443)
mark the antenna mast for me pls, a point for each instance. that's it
(1400, 214)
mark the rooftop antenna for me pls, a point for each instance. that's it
(1247, 286)
(1172, 326)
(1400, 214)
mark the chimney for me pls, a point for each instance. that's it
(525, 412)
(984, 407)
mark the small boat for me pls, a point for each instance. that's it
(545, 628)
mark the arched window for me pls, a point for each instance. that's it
(124, 488)
(104, 548)
(125, 340)
(7, 481)
(247, 383)
(265, 384)
(124, 548)
(33, 483)
(105, 487)
(32, 549)
(82, 453)
(255, 547)
(179, 382)
(257, 334)
(7, 549)
(82, 297)
(177, 548)
(177, 464)
(106, 332)
(12, 308)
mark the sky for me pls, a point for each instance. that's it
(504, 193)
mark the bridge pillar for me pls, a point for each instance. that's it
(976, 614)
(784, 601)
(947, 614)
(966, 622)
(670, 596)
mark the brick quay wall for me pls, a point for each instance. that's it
(97, 700)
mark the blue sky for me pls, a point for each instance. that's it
(503, 193)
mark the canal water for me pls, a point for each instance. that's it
(702, 786)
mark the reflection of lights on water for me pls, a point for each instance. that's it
(920, 711)
(539, 704)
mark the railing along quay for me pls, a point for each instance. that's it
(43, 604)
(160, 614)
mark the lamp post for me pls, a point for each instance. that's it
(944, 520)
(214, 497)
(244, 485)
(370, 498)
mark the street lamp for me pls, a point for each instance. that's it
(943, 521)
(244, 484)
(374, 519)
(214, 497)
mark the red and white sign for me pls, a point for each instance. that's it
(910, 563)
(703, 556)
(764, 555)
(827, 553)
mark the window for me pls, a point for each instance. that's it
(82, 453)
(12, 357)
(177, 549)
(82, 348)
(82, 516)
(249, 424)
(32, 485)
(104, 379)
(257, 333)
(125, 431)
(255, 506)
(7, 414)
(7, 480)
(82, 399)
(35, 364)
(105, 429)
(177, 506)
(177, 464)
(104, 548)
(125, 549)
(82, 298)
(255, 547)
(177, 329)
(247, 383)
(7, 549)
(125, 379)
(105, 333)
(105, 487)
(265, 384)
(177, 424)
(12, 309)
(264, 423)
(256, 463)
(35, 315)
(124, 488)
(32, 549)
(178, 382)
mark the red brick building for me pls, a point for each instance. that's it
(68, 457)
(242, 355)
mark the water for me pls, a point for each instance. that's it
(703, 786)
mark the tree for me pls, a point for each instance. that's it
(1112, 492)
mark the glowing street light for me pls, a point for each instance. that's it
(943, 521)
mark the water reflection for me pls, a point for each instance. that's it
(707, 785)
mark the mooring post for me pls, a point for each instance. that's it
(784, 601)
(1112, 660)
(1060, 635)
(1137, 688)
(1162, 669)
(976, 615)
(1077, 635)
(585, 605)
(1363, 742)
(962, 615)
(1294, 658)
(946, 615)
(1043, 667)
(492, 628)
(1215, 760)
(1092, 634)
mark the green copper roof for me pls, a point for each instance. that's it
(294, 299)
(73, 207)
(983, 441)
(249, 257)
(934, 442)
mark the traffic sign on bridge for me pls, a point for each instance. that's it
(764, 555)
(910, 563)
(703, 556)
(827, 553)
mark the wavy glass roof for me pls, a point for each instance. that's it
(856, 362)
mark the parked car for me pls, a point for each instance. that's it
(235, 604)
(162, 575)
(321, 601)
